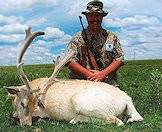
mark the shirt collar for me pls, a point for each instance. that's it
(89, 34)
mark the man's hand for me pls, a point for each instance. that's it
(101, 75)
(97, 76)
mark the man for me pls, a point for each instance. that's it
(98, 52)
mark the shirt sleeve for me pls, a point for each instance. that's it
(74, 45)
(117, 50)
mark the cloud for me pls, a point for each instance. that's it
(36, 22)
(34, 55)
(77, 6)
(55, 34)
(12, 34)
(143, 51)
(8, 55)
(7, 5)
(12, 25)
(12, 38)
(10, 19)
(140, 35)
(137, 24)
(151, 7)
(13, 28)
(142, 43)
(134, 20)
(39, 52)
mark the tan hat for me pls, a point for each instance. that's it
(95, 6)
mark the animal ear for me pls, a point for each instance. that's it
(12, 90)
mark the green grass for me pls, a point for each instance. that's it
(137, 78)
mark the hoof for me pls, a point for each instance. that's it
(130, 120)
(120, 123)
(73, 121)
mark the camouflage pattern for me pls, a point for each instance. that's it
(95, 6)
(105, 47)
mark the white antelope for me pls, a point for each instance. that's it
(70, 100)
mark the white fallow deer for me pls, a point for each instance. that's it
(70, 100)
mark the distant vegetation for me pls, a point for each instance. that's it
(142, 80)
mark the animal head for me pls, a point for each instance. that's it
(24, 104)
(23, 98)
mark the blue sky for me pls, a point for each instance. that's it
(138, 24)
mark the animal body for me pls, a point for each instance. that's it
(70, 100)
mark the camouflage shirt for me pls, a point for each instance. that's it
(105, 47)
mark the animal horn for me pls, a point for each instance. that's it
(27, 41)
(61, 61)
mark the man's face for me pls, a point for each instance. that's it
(94, 21)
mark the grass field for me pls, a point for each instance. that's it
(140, 79)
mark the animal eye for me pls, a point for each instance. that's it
(22, 104)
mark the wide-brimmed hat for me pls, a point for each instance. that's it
(95, 6)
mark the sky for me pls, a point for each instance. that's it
(137, 23)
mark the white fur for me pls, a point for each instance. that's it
(80, 101)
(65, 100)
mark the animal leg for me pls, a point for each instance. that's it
(80, 118)
(132, 112)
(39, 113)
(114, 119)
(107, 120)
(93, 110)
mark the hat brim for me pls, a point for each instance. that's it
(87, 12)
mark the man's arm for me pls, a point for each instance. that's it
(101, 75)
(117, 62)
(79, 70)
